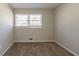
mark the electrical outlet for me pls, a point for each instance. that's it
(30, 39)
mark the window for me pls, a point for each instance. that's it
(31, 20)
(35, 21)
(21, 20)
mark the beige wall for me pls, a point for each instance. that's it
(6, 27)
(44, 34)
(67, 26)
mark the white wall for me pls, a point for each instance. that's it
(6, 27)
(67, 26)
(44, 34)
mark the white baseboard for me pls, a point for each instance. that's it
(36, 41)
(7, 48)
(66, 48)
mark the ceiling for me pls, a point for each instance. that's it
(33, 5)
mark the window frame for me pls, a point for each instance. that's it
(28, 21)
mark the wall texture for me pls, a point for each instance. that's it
(44, 34)
(6, 27)
(67, 26)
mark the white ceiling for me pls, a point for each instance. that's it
(33, 5)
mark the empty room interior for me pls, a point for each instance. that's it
(39, 29)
